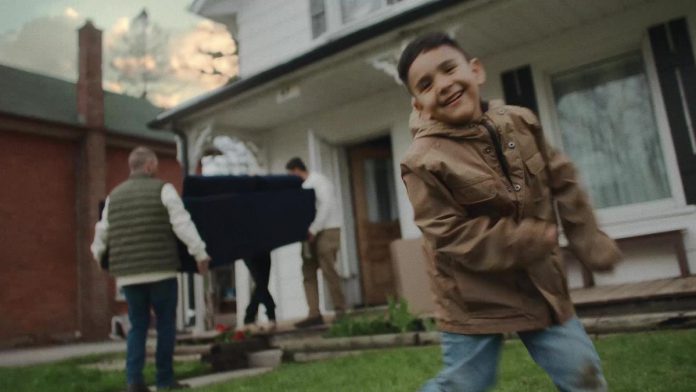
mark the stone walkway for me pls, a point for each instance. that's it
(218, 378)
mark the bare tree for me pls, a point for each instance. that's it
(146, 61)
(139, 57)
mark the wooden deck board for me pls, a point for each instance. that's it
(681, 286)
(638, 290)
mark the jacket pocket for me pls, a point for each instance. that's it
(535, 164)
(477, 192)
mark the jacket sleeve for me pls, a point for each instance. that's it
(588, 243)
(476, 243)
(324, 194)
(101, 234)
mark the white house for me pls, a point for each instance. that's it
(613, 82)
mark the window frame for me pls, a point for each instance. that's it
(334, 21)
(549, 117)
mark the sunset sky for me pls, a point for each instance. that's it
(41, 36)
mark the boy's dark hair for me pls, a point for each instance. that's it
(295, 163)
(422, 44)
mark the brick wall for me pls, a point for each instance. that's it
(38, 270)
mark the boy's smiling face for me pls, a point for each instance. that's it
(445, 85)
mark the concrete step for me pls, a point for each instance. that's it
(640, 322)
(198, 338)
(218, 378)
(184, 351)
(324, 345)
(314, 348)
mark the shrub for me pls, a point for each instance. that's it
(397, 319)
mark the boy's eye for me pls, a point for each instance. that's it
(424, 85)
(450, 69)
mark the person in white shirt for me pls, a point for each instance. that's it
(137, 232)
(321, 247)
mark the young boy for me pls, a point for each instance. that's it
(483, 184)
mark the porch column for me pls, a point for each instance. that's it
(191, 144)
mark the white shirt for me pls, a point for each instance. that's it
(328, 215)
(182, 226)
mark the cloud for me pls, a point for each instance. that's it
(46, 45)
(114, 87)
(119, 29)
(205, 55)
(197, 60)
(71, 13)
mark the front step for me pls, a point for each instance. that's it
(304, 350)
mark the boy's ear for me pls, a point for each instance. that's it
(478, 70)
(416, 105)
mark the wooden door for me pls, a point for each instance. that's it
(376, 217)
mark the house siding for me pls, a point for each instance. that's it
(270, 32)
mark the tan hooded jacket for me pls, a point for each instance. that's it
(483, 221)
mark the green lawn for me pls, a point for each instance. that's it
(646, 362)
(68, 376)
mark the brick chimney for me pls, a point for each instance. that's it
(90, 95)
(94, 298)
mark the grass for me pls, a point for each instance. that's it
(69, 376)
(646, 362)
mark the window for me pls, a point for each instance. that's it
(317, 10)
(352, 10)
(332, 14)
(608, 128)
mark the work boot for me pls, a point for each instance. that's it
(138, 388)
(310, 322)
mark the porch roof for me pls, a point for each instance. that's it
(166, 118)
(344, 71)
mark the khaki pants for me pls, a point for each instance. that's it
(322, 254)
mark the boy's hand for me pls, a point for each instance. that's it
(604, 255)
(535, 240)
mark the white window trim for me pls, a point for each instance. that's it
(335, 27)
(620, 221)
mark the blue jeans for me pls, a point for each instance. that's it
(565, 352)
(162, 297)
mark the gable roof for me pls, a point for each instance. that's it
(42, 97)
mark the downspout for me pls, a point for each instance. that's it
(184, 149)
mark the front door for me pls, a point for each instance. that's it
(376, 217)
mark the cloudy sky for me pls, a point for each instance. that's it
(41, 36)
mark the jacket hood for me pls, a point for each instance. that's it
(421, 126)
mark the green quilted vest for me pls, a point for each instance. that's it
(140, 237)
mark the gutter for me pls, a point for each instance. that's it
(166, 119)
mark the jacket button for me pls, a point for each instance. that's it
(501, 111)
(488, 150)
(518, 187)
(511, 145)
